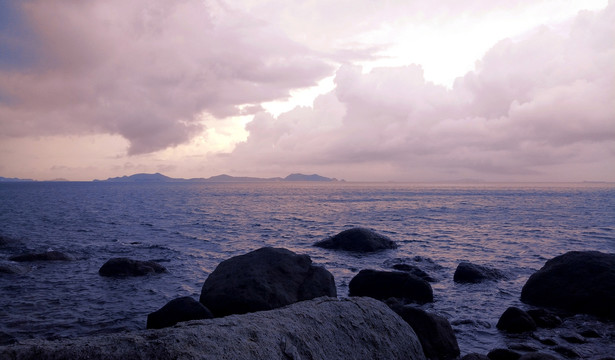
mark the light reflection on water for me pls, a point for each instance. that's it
(193, 227)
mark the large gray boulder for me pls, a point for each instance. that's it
(358, 240)
(383, 285)
(264, 279)
(577, 281)
(324, 328)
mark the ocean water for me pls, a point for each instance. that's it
(190, 228)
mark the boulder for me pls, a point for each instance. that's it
(122, 267)
(358, 240)
(471, 273)
(577, 281)
(434, 332)
(382, 285)
(324, 328)
(474, 356)
(264, 279)
(515, 320)
(178, 310)
(44, 256)
(544, 318)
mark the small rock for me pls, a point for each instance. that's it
(435, 332)
(590, 333)
(121, 267)
(567, 352)
(414, 270)
(573, 338)
(44, 256)
(545, 319)
(8, 268)
(503, 354)
(382, 285)
(178, 310)
(358, 240)
(471, 273)
(515, 320)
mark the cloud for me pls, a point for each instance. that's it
(529, 107)
(143, 69)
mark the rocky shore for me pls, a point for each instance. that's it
(273, 303)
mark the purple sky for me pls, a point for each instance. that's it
(363, 90)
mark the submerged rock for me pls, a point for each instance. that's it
(503, 354)
(325, 328)
(121, 267)
(577, 281)
(515, 320)
(178, 310)
(359, 240)
(435, 332)
(44, 256)
(544, 318)
(414, 270)
(8, 268)
(264, 279)
(471, 273)
(382, 285)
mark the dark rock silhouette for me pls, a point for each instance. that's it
(178, 310)
(471, 273)
(264, 279)
(537, 356)
(325, 328)
(503, 354)
(357, 239)
(577, 281)
(414, 270)
(382, 285)
(44, 256)
(515, 320)
(8, 268)
(121, 267)
(474, 356)
(544, 318)
(435, 332)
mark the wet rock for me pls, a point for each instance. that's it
(178, 310)
(414, 270)
(471, 273)
(537, 356)
(435, 332)
(382, 285)
(577, 281)
(264, 279)
(573, 338)
(474, 356)
(122, 267)
(9, 268)
(589, 333)
(544, 318)
(325, 328)
(515, 320)
(566, 352)
(44, 256)
(359, 240)
(503, 354)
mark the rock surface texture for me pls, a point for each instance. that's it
(577, 281)
(121, 267)
(264, 279)
(358, 240)
(515, 320)
(325, 328)
(382, 285)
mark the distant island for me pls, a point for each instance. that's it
(158, 177)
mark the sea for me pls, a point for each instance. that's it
(191, 227)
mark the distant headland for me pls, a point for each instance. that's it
(158, 177)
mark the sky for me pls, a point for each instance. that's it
(361, 90)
